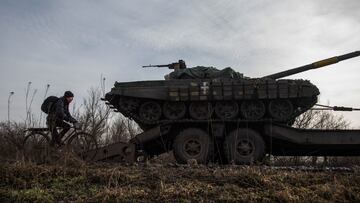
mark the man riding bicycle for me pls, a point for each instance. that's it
(58, 116)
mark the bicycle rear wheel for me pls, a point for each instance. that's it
(36, 147)
(83, 145)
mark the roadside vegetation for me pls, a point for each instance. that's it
(169, 183)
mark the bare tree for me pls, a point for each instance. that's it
(94, 114)
(117, 130)
(98, 119)
(315, 119)
(122, 129)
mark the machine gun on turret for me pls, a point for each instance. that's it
(176, 66)
(314, 65)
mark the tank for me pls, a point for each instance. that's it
(206, 93)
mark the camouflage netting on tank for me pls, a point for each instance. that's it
(201, 72)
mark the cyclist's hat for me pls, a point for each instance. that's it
(68, 94)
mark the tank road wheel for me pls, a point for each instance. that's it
(252, 110)
(150, 112)
(244, 146)
(281, 109)
(174, 110)
(192, 143)
(128, 104)
(226, 109)
(200, 110)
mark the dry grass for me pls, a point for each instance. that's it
(21, 182)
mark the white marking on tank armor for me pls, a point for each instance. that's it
(205, 88)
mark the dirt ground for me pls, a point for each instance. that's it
(149, 182)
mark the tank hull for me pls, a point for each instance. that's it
(152, 102)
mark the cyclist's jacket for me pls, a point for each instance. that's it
(61, 111)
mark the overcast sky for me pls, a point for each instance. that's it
(70, 44)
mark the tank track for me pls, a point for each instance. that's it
(133, 111)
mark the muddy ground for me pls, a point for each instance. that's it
(23, 182)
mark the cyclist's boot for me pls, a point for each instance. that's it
(56, 139)
(52, 143)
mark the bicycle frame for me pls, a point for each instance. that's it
(69, 134)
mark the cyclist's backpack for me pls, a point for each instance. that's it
(47, 105)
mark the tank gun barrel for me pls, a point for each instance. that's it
(314, 65)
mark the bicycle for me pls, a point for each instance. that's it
(37, 146)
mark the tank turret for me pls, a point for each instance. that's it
(314, 65)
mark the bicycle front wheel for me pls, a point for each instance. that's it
(36, 147)
(83, 145)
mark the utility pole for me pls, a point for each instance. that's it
(11, 94)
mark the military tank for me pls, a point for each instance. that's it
(206, 93)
